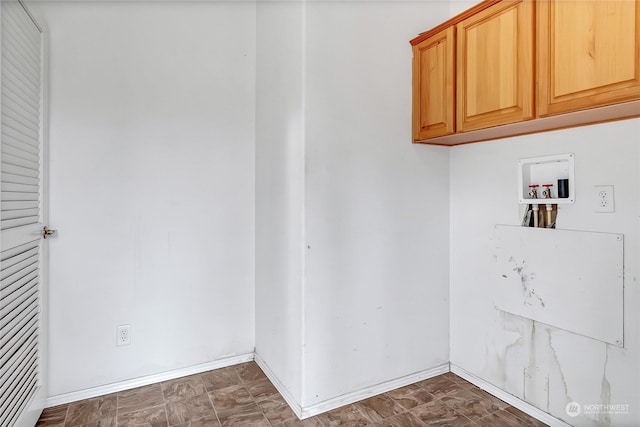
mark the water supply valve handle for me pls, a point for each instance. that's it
(534, 191)
(547, 190)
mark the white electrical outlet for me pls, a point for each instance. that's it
(123, 335)
(603, 197)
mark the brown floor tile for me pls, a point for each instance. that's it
(183, 388)
(403, 420)
(439, 414)
(104, 422)
(243, 396)
(377, 408)
(210, 421)
(500, 419)
(189, 409)
(470, 404)
(410, 396)
(233, 400)
(456, 379)
(88, 411)
(149, 417)
(249, 372)
(53, 417)
(309, 422)
(49, 424)
(439, 386)
(140, 398)
(220, 378)
(487, 396)
(253, 419)
(527, 420)
(277, 411)
(346, 416)
(262, 389)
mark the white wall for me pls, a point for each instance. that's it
(352, 220)
(280, 191)
(377, 234)
(542, 365)
(152, 186)
(459, 6)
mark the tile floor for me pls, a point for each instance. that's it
(242, 395)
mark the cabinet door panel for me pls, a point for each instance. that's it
(588, 54)
(495, 66)
(433, 86)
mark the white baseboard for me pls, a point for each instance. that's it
(365, 393)
(149, 379)
(284, 391)
(309, 411)
(509, 398)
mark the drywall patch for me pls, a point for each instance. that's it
(557, 277)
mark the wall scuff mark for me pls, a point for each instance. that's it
(526, 278)
(533, 294)
(519, 269)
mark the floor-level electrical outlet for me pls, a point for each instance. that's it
(123, 335)
(603, 197)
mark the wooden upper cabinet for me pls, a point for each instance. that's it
(433, 86)
(512, 67)
(495, 68)
(588, 54)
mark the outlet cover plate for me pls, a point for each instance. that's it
(123, 335)
(604, 199)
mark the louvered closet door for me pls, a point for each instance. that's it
(21, 221)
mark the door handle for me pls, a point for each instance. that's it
(47, 232)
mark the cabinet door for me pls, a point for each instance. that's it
(433, 86)
(495, 66)
(588, 54)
